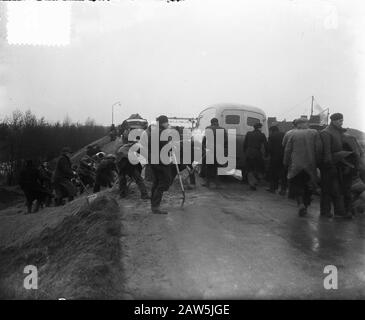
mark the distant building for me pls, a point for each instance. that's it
(284, 126)
(315, 119)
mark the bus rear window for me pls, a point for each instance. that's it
(251, 121)
(232, 119)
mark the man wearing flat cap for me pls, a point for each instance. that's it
(334, 182)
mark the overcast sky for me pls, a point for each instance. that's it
(177, 58)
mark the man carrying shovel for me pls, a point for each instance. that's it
(161, 176)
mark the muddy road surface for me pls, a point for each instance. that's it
(235, 243)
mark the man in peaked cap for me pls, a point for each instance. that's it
(337, 117)
(334, 181)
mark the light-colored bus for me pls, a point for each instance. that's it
(232, 116)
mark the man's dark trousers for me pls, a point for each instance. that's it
(135, 174)
(160, 183)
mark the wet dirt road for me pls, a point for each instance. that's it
(234, 243)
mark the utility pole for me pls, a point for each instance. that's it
(312, 107)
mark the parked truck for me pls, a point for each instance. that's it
(235, 116)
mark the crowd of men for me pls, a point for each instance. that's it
(307, 162)
(95, 170)
(42, 186)
(301, 162)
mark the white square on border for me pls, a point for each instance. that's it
(39, 22)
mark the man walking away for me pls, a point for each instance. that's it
(334, 182)
(30, 183)
(290, 132)
(62, 178)
(253, 146)
(212, 168)
(301, 156)
(276, 152)
(160, 172)
(285, 141)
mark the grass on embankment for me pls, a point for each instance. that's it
(76, 249)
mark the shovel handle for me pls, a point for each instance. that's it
(180, 179)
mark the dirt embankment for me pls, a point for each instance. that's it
(76, 249)
(10, 196)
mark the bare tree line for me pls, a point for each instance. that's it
(24, 136)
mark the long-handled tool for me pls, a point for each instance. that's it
(180, 179)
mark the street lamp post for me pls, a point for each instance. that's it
(118, 102)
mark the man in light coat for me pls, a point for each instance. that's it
(301, 156)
